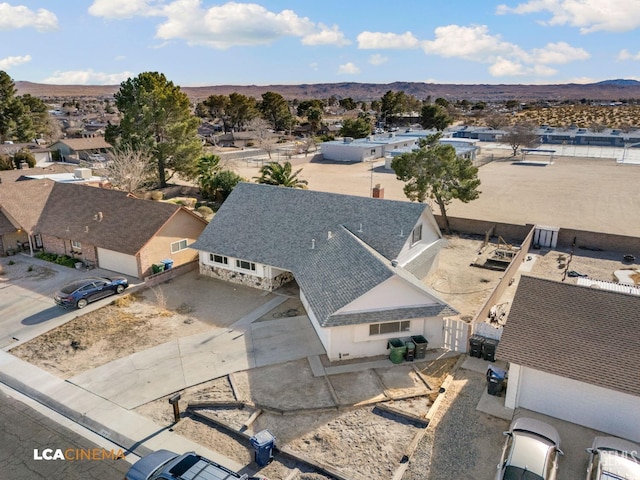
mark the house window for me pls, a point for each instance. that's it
(389, 327)
(179, 245)
(243, 264)
(416, 235)
(76, 245)
(218, 259)
(373, 151)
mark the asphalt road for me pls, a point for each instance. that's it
(23, 430)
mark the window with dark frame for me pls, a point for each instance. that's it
(416, 235)
(243, 264)
(76, 245)
(389, 327)
(218, 259)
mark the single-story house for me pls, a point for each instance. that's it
(365, 149)
(115, 230)
(573, 354)
(357, 262)
(72, 150)
(21, 205)
(40, 153)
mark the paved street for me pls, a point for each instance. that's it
(23, 429)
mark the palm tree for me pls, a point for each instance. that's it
(208, 168)
(275, 173)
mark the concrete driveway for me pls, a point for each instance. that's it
(27, 286)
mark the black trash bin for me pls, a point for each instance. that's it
(489, 349)
(495, 380)
(421, 345)
(410, 354)
(475, 345)
(263, 443)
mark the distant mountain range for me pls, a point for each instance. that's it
(608, 90)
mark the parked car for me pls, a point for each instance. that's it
(613, 459)
(167, 465)
(78, 294)
(530, 451)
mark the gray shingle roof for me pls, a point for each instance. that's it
(24, 201)
(105, 218)
(582, 333)
(289, 228)
(276, 225)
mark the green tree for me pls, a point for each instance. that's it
(24, 156)
(314, 116)
(5, 162)
(208, 168)
(355, 127)
(435, 171)
(215, 106)
(347, 103)
(22, 118)
(7, 106)
(275, 110)
(224, 183)
(392, 105)
(156, 117)
(282, 175)
(241, 110)
(443, 102)
(434, 116)
(304, 106)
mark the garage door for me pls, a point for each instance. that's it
(118, 262)
(606, 410)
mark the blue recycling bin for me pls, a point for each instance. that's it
(495, 380)
(167, 262)
(263, 443)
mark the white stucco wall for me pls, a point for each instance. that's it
(430, 236)
(595, 407)
(393, 292)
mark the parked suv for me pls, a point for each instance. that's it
(166, 465)
(530, 451)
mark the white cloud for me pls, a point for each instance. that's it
(626, 55)
(587, 15)
(236, 24)
(326, 36)
(117, 9)
(503, 67)
(20, 16)
(348, 69)
(371, 40)
(558, 54)
(87, 77)
(470, 43)
(8, 62)
(377, 59)
(314, 66)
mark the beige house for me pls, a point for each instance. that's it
(72, 150)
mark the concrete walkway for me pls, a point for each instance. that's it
(158, 371)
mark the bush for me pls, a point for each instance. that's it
(157, 195)
(63, 260)
(5, 162)
(205, 211)
(24, 156)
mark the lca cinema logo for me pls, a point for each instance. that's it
(75, 454)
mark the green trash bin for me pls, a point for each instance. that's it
(397, 350)
(157, 267)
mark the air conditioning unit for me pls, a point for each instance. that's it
(82, 173)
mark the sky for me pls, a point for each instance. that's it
(206, 42)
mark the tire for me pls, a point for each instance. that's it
(120, 289)
(83, 302)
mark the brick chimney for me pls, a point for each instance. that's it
(378, 192)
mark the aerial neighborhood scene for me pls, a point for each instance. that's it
(319, 240)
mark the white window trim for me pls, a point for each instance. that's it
(225, 260)
(400, 329)
(75, 245)
(178, 245)
(252, 265)
(413, 232)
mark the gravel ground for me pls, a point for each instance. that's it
(461, 442)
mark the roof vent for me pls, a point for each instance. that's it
(313, 243)
(98, 217)
(329, 235)
(394, 263)
(360, 229)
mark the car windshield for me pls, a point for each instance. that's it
(517, 473)
(618, 466)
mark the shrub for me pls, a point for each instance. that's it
(157, 195)
(205, 211)
(5, 162)
(24, 156)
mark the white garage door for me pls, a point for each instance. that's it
(578, 402)
(118, 262)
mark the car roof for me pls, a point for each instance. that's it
(615, 443)
(537, 427)
(619, 465)
(143, 468)
(528, 451)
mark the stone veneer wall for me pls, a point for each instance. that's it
(268, 284)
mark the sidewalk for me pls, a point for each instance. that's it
(133, 432)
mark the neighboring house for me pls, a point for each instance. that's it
(115, 230)
(357, 261)
(41, 154)
(573, 355)
(365, 149)
(72, 150)
(21, 205)
(108, 228)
